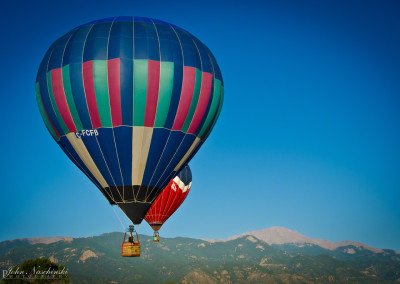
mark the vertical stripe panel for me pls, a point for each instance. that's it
(122, 135)
(165, 92)
(195, 99)
(213, 107)
(88, 82)
(153, 85)
(208, 131)
(54, 105)
(189, 78)
(101, 90)
(66, 146)
(43, 113)
(73, 57)
(159, 140)
(126, 84)
(141, 138)
(108, 148)
(60, 98)
(84, 155)
(70, 98)
(140, 67)
(114, 88)
(185, 157)
(78, 92)
(205, 93)
(184, 146)
(44, 94)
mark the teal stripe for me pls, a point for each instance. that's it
(70, 98)
(101, 89)
(218, 112)
(43, 113)
(140, 70)
(213, 107)
(53, 101)
(195, 100)
(165, 93)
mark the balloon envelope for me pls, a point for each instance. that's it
(129, 100)
(170, 199)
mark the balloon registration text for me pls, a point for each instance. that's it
(85, 132)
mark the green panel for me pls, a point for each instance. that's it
(195, 100)
(70, 98)
(218, 112)
(53, 102)
(213, 107)
(165, 92)
(101, 89)
(43, 113)
(140, 67)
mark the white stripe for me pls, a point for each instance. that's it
(141, 139)
(191, 149)
(84, 155)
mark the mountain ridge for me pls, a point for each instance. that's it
(245, 259)
(280, 235)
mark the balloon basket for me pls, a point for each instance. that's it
(156, 237)
(131, 248)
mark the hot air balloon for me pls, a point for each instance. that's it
(129, 100)
(169, 200)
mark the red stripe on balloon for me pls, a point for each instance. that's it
(88, 82)
(205, 92)
(114, 88)
(189, 78)
(153, 85)
(61, 100)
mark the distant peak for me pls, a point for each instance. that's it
(279, 235)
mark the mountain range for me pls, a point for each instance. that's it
(272, 255)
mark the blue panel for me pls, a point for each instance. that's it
(94, 151)
(170, 48)
(207, 109)
(96, 42)
(175, 158)
(123, 139)
(43, 65)
(179, 28)
(190, 53)
(176, 92)
(74, 50)
(172, 146)
(71, 153)
(146, 41)
(185, 175)
(121, 40)
(217, 71)
(204, 57)
(44, 93)
(108, 148)
(58, 51)
(126, 84)
(194, 152)
(158, 141)
(78, 92)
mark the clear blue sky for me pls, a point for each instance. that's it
(308, 137)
